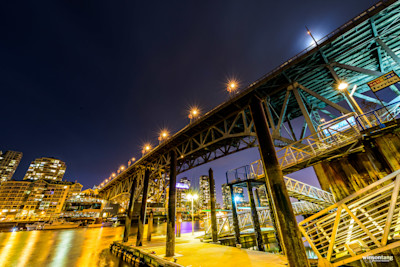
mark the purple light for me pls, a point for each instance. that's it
(182, 186)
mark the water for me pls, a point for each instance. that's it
(74, 247)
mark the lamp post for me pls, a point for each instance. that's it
(163, 136)
(192, 198)
(232, 87)
(146, 148)
(194, 113)
(342, 87)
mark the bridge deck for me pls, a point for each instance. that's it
(190, 251)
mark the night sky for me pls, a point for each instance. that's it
(90, 83)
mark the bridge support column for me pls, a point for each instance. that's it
(254, 215)
(235, 216)
(214, 226)
(150, 226)
(279, 199)
(142, 215)
(347, 174)
(128, 220)
(170, 246)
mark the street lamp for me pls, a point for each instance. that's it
(342, 87)
(146, 148)
(232, 86)
(192, 198)
(163, 136)
(194, 113)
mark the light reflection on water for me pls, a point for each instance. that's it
(75, 247)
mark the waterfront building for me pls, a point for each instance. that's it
(9, 162)
(226, 195)
(85, 204)
(46, 168)
(204, 187)
(182, 189)
(33, 199)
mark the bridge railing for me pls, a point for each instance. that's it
(379, 116)
(296, 188)
(323, 141)
(225, 222)
(363, 224)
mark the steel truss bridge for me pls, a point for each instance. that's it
(302, 87)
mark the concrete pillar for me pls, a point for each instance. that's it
(129, 215)
(142, 215)
(275, 184)
(254, 216)
(235, 216)
(170, 246)
(150, 226)
(214, 226)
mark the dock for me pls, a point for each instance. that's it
(190, 251)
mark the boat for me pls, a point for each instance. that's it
(93, 224)
(60, 225)
(107, 224)
(34, 226)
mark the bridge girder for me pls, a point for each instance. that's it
(352, 53)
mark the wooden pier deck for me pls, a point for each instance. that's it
(190, 251)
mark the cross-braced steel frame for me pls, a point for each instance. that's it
(304, 86)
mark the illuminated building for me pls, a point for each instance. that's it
(204, 187)
(181, 191)
(46, 168)
(226, 195)
(9, 162)
(34, 199)
(85, 204)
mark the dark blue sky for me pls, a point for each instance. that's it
(90, 83)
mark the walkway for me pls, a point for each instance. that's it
(190, 251)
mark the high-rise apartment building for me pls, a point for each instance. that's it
(9, 162)
(34, 198)
(46, 168)
(204, 187)
(226, 195)
(182, 189)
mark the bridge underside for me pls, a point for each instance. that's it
(305, 87)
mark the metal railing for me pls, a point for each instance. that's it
(363, 224)
(379, 117)
(296, 189)
(225, 222)
(328, 139)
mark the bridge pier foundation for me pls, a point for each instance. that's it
(348, 174)
(214, 226)
(254, 215)
(142, 215)
(276, 188)
(128, 219)
(150, 226)
(235, 216)
(170, 246)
